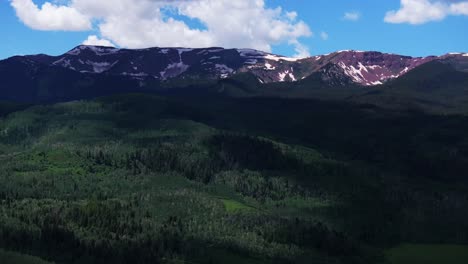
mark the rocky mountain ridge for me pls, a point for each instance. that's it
(161, 64)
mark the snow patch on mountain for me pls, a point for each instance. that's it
(74, 52)
(351, 71)
(362, 67)
(63, 62)
(137, 76)
(223, 70)
(405, 70)
(251, 61)
(215, 50)
(352, 51)
(255, 54)
(282, 75)
(251, 53)
(279, 58)
(100, 51)
(458, 53)
(292, 77)
(100, 67)
(174, 70)
(269, 67)
(182, 50)
(373, 67)
(177, 68)
(288, 73)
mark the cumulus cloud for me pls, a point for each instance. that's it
(301, 50)
(418, 12)
(50, 16)
(352, 16)
(94, 40)
(291, 15)
(324, 35)
(145, 23)
(459, 8)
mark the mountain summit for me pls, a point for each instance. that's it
(87, 71)
(365, 68)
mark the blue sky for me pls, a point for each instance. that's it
(302, 26)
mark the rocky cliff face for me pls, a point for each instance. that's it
(373, 68)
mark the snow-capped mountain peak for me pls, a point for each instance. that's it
(368, 68)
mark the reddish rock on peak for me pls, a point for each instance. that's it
(339, 68)
(373, 68)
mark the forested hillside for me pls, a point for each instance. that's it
(147, 179)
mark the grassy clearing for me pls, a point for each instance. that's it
(235, 206)
(428, 254)
(7, 257)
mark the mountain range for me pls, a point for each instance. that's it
(89, 71)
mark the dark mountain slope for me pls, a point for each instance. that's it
(434, 87)
(389, 80)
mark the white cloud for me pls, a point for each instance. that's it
(459, 8)
(146, 23)
(352, 16)
(422, 11)
(291, 15)
(50, 16)
(324, 35)
(301, 50)
(94, 40)
(245, 23)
